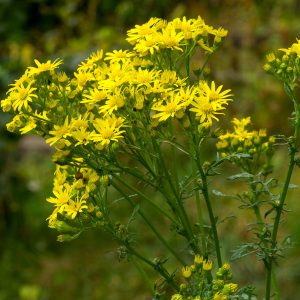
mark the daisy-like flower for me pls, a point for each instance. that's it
(169, 38)
(186, 272)
(206, 110)
(75, 206)
(113, 102)
(62, 196)
(82, 77)
(213, 93)
(295, 48)
(44, 67)
(28, 127)
(188, 27)
(140, 31)
(107, 130)
(93, 96)
(209, 101)
(118, 56)
(90, 63)
(81, 136)
(59, 132)
(168, 108)
(144, 77)
(22, 95)
(147, 45)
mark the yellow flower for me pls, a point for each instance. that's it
(81, 136)
(62, 196)
(186, 272)
(22, 95)
(118, 56)
(145, 77)
(16, 123)
(205, 110)
(176, 297)
(207, 265)
(198, 259)
(113, 102)
(107, 130)
(59, 132)
(147, 45)
(75, 206)
(188, 27)
(82, 77)
(140, 31)
(295, 48)
(169, 38)
(209, 101)
(213, 93)
(91, 62)
(43, 67)
(93, 95)
(28, 127)
(168, 108)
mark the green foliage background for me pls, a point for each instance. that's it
(32, 264)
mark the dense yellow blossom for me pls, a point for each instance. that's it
(44, 67)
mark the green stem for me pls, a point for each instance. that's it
(212, 217)
(199, 211)
(179, 205)
(143, 274)
(174, 159)
(261, 224)
(155, 266)
(142, 195)
(158, 235)
(279, 208)
(161, 270)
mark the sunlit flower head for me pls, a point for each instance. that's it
(44, 67)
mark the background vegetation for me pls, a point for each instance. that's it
(32, 264)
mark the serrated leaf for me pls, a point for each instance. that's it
(243, 250)
(240, 175)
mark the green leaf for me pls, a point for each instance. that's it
(293, 186)
(244, 175)
(244, 250)
(219, 193)
(134, 213)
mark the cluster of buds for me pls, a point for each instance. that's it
(201, 284)
(285, 67)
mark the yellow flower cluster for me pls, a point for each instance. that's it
(113, 97)
(71, 190)
(201, 285)
(180, 34)
(285, 66)
(243, 141)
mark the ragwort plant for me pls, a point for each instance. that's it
(119, 124)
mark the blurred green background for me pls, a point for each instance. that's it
(32, 264)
